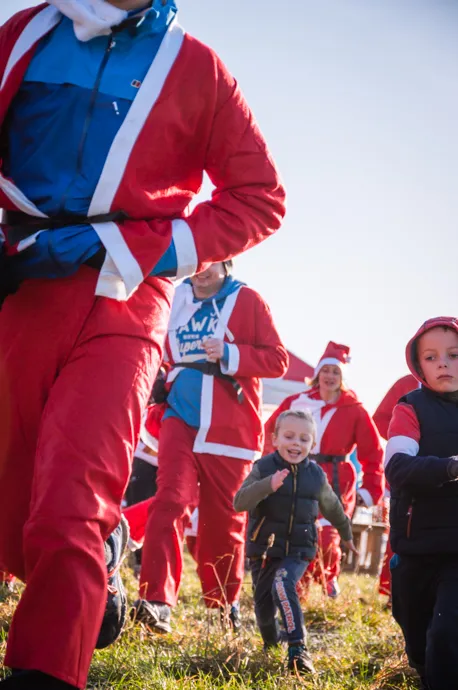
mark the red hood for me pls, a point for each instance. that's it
(346, 398)
(411, 349)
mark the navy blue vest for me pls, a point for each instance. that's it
(425, 521)
(289, 513)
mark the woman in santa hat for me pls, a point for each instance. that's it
(342, 424)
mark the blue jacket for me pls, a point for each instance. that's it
(62, 123)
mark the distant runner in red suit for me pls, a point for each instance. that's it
(142, 486)
(342, 424)
(382, 419)
(221, 341)
(109, 116)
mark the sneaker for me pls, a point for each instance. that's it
(232, 618)
(299, 660)
(235, 618)
(153, 614)
(115, 615)
(333, 589)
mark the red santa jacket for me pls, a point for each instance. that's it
(188, 117)
(340, 427)
(384, 411)
(228, 427)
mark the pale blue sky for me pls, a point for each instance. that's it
(358, 100)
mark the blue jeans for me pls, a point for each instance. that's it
(274, 587)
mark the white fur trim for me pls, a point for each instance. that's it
(201, 445)
(224, 316)
(367, 498)
(324, 523)
(321, 426)
(90, 18)
(38, 27)
(173, 373)
(185, 248)
(25, 244)
(124, 142)
(400, 444)
(146, 457)
(183, 308)
(234, 361)
(193, 529)
(110, 284)
(328, 360)
(19, 199)
(119, 265)
(149, 440)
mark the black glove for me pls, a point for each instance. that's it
(159, 392)
(9, 283)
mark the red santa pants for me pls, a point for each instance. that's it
(326, 565)
(385, 573)
(220, 548)
(75, 373)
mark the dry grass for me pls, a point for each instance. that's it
(354, 642)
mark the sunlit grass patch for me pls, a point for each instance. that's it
(354, 642)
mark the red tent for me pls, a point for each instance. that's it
(276, 390)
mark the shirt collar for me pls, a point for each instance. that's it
(154, 16)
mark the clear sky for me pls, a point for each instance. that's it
(358, 100)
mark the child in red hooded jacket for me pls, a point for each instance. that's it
(422, 469)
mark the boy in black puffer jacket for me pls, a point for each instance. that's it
(422, 469)
(283, 494)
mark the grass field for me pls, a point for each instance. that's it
(354, 642)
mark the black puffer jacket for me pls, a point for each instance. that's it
(289, 513)
(424, 499)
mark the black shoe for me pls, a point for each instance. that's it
(235, 618)
(299, 660)
(115, 615)
(232, 618)
(153, 614)
(34, 680)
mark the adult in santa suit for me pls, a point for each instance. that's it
(342, 424)
(221, 341)
(382, 419)
(109, 115)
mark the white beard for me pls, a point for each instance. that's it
(90, 18)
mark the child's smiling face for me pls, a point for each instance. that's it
(437, 352)
(294, 439)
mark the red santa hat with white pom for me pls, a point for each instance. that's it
(335, 354)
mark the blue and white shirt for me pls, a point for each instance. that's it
(185, 396)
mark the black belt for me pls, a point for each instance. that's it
(334, 459)
(213, 369)
(20, 226)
